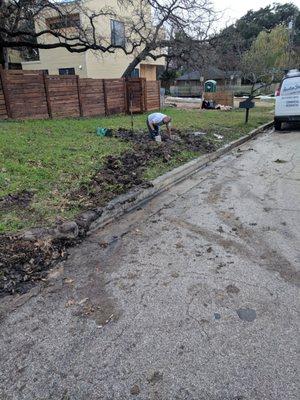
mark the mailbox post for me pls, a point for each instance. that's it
(247, 104)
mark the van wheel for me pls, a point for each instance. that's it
(277, 125)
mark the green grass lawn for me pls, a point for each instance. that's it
(53, 157)
(230, 124)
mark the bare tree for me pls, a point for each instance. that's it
(176, 30)
(22, 24)
(155, 28)
(228, 47)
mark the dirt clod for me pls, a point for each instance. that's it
(135, 390)
(232, 289)
(155, 377)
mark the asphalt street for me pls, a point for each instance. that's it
(193, 297)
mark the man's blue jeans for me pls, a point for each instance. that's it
(153, 133)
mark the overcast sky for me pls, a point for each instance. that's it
(236, 8)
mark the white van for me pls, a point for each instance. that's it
(287, 107)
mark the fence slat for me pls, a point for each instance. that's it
(153, 95)
(105, 97)
(79, 96)
(125, 96)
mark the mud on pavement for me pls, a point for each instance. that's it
(23, 262)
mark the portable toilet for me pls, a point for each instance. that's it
(210, 86)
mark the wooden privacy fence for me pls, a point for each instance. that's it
(33, 94)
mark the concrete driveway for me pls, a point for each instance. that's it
(196, 296)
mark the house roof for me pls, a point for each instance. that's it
(208, 73)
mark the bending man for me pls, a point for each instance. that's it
(155, 121)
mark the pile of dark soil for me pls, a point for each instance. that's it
(11, 201)
(182, 141)
(121, 173)
(197, 143)
(22, 263)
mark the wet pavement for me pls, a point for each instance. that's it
(193, 297)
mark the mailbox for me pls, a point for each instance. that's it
(247, 104)
(210, 86)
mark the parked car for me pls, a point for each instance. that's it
(287, 107)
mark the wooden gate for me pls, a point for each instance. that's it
(136, 95)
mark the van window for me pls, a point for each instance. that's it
(291, 86)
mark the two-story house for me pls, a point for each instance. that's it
(91, 64)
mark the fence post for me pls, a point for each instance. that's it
(46, 87)
(5, 92)
(105, 97)
(79, 96)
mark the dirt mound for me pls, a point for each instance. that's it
(118, 175)
(121, 173)
(22, 263)
(197, 143)
(11, 201)
(130, 136)
(182, 141)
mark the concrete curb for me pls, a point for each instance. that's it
(138, 197)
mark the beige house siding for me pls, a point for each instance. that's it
(106, 65)
(89, 64)
(54, 59)
(92, 64)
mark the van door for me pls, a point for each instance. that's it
(288, 102)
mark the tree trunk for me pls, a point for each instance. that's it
(135, 62)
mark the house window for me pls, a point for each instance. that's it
(117, 33)
(135, 73)
(66, 71)
(45, 71)
(63, 21)
(14, 65)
